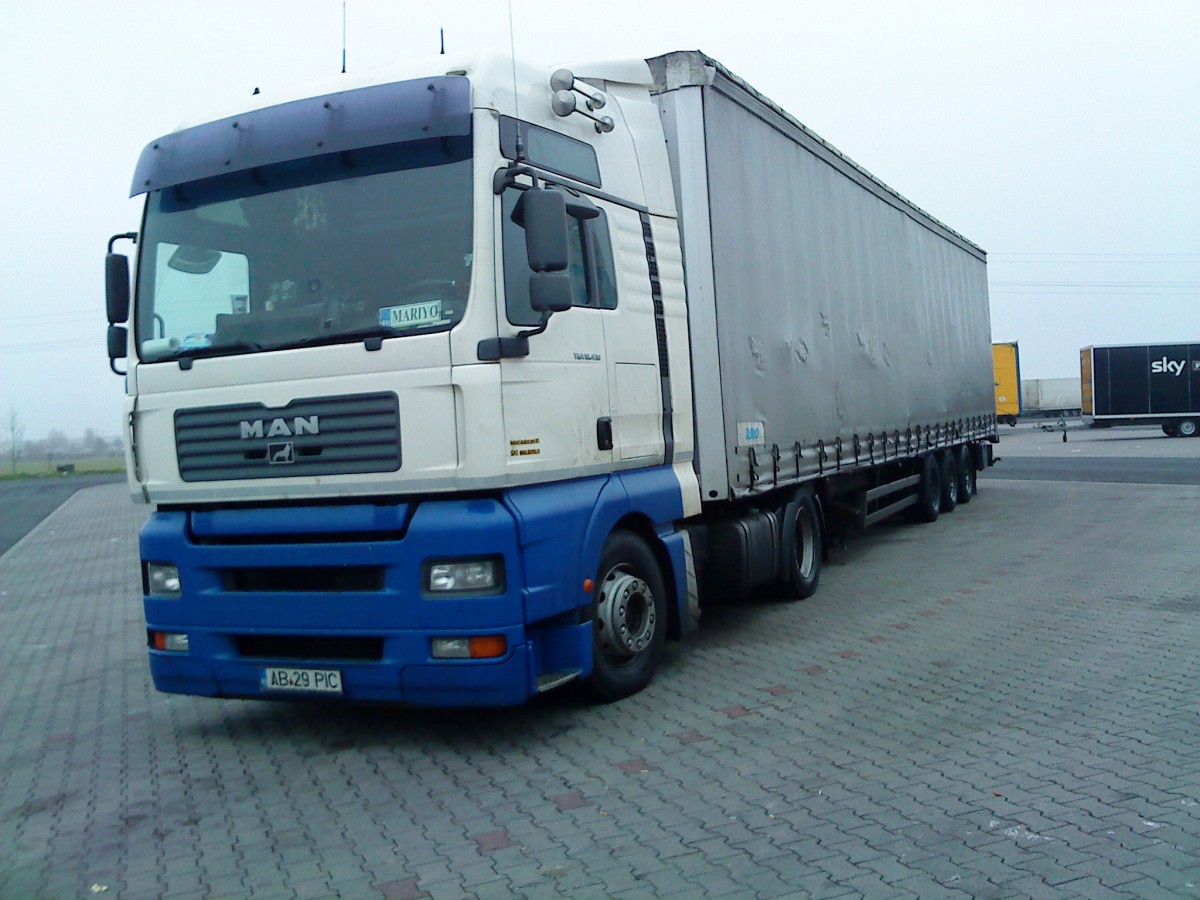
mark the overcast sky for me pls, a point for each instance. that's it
(1063, 137)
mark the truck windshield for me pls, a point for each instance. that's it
(371, 243)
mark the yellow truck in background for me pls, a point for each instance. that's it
(1006, 366)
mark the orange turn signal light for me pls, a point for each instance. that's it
(488, 646)
(169, 641)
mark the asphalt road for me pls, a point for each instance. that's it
(1138, 455)
(1098, 469)
(26, 501)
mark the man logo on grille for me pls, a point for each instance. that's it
(281, 454)
(254, 428)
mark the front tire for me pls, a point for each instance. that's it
(631, 618)
(1186, 427)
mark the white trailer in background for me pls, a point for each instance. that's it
(1051, 397)
(458, 382)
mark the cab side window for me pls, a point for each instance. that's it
(590, 267)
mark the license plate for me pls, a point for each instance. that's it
(319, 681)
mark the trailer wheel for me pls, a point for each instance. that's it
(968, 482)
(801, 547)
(1186, 427)
(949, 466)
(1170, 430)
(929, 491)
(631, 618)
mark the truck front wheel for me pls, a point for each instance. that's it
(631, 618)
(1186, 427)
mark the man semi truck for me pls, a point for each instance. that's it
(1142, 384)
(457, 383)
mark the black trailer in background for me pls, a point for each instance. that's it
(1143, 384)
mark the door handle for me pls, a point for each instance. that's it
(604, 439)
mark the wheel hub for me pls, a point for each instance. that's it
(625, 614)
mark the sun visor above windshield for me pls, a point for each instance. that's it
(333, 123)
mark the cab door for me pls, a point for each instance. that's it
(618, 253)
(556, 401)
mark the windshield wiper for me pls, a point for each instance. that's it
(218, 349)
(185, 355)
(372, 338)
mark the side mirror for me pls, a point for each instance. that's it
(550, 292)
(118, 339)
(543, 215)
(116, 287)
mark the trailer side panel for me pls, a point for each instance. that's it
(841, 311)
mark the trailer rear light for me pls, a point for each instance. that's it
(488, 646)
(162, 580)
(169, 641)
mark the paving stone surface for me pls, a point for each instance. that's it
(1001, 704)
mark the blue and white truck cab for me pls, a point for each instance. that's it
(382, 467)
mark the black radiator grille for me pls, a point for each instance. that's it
(319, 436)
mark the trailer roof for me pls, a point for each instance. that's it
(684, 68)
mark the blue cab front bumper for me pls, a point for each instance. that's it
(294, 586)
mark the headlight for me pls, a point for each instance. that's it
(162, 580)
(468, 576)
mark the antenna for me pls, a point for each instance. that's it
(512, 49)
(442, 37)
(343, 37)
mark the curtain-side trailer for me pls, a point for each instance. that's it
(457, 383)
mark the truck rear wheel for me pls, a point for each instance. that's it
(949, 465)
(801, 547)
(1186, 427)
(929, 491)
(631, 618)
(1170, 430)
(967, 481)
